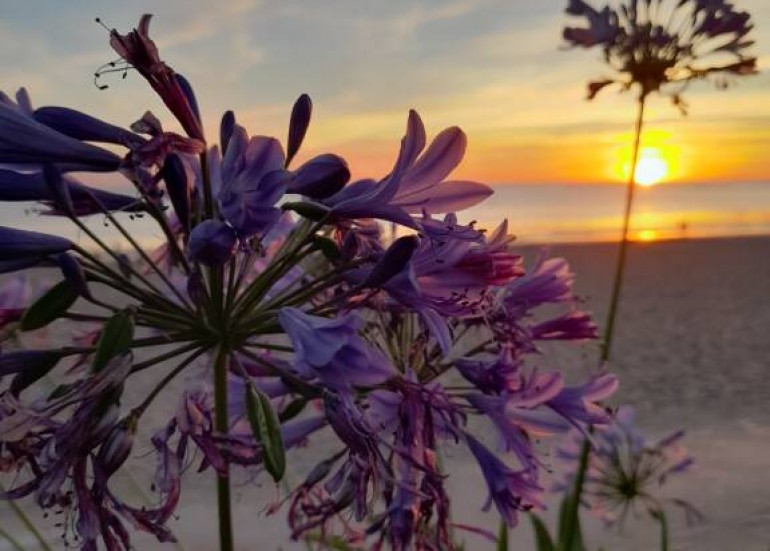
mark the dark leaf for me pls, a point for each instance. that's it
(51, 306)
(327, 247)
(542, 537)
(267, 431)
(33, 373)
(393, 261)
(115, 340)
(294, 408)
(306, 209)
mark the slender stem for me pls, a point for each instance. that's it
(22, 516)
(660, 516)
(297, 384)
(165, 356)
(75, 316)
(141, 408)
(159, 217)
(146, 257)
(10, 539)
(105, 273)
(572, 521)
(621, 265)
(221, 425)
(96, 239)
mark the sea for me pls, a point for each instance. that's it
(540, 213)
(569, 213)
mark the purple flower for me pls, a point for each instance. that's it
(573, 325)
(212, 243)
(415, 185)
(579, 404)
(511, 491)
(455, 267)
(332, 350)
(253, 181)
(493, 376)
(550, 281)
(519, 414)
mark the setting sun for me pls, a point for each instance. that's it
(651, 168)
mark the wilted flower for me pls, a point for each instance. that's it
(625, 472)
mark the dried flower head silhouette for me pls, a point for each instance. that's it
(653, 46)
(288, 314)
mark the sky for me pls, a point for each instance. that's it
(496, 68)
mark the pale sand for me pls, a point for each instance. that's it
(692, 351)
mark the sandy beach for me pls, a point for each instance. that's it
(691, 352)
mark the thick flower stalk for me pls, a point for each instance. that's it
(659, 46)
(275, 297)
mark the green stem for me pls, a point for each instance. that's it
(146, 257)
(10, 539)
(660, 516)
(22, 516)
(297, 384)
(621, 265)
(141, 408)
(572, 522)
(96, 239)
(160, 218)
(221, 425)
(166, 356)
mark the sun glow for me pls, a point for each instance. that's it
(647, 235)
(651, 168)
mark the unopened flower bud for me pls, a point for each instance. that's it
(226, 127)
(320, 177)
(73, 273)
(393, 261)
(179, 187)
(300, 119)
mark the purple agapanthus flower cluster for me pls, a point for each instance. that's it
(651, 43)
(625, 472)
(275, 291)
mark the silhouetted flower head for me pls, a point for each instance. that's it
(652, 43)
